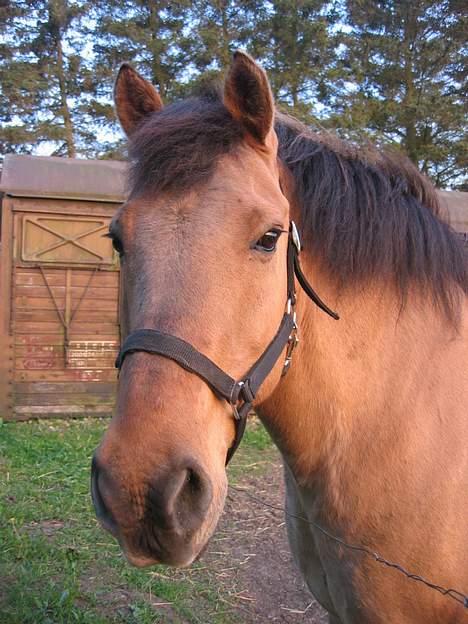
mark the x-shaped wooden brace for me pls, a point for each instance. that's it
(68, 239)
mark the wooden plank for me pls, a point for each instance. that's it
(85, 271)
(44, 350)
(95, 316)
(78, 399)
(56, 277)
(108, 293)
(65, 387)
(82, 316)
(82, 329)
(65, 207)
(97, 351)
(6, 376)
(6, 256)
(6, 343)
(70, 374)
(64, 409)
(55, 361)
(56, 339)
(52, 361)
(37, 303)
(46, 303)
(23, 412)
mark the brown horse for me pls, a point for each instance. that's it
(371, 419)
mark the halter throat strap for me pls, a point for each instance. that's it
(240, 394)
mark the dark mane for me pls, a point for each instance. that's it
(368, 213)
(365, 213)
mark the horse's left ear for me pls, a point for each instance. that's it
(134, 98)
(248, 97)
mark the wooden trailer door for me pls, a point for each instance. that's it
(65, 326)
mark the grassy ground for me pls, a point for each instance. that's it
(58, 566)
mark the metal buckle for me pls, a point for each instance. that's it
(296, 239)
(235, 411)
(292, 344)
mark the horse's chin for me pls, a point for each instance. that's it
(178, 558)
(140, 560)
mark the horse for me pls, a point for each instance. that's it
(370, 417)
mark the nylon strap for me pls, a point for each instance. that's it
(310, 292)
(153, 341)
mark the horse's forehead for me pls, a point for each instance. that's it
(249, 178)
(242, 183)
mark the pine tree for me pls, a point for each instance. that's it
(405, 64)
(295, 42)
(217, 28)
(43, 77)
(147, 34)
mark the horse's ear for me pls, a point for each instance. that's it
(248, 97)
(134, 98)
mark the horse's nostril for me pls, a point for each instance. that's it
(103, 513)
(180, 501)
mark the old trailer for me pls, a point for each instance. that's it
(59, 287)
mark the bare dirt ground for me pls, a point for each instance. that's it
(250, 556)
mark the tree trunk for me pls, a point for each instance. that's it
(225, 55)
(67, 120)
(409, 99)
(156, 66)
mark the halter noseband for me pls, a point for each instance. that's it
(239, 394)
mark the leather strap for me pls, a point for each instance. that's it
(153, 341)
(310, 292)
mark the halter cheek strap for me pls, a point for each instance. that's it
(239, 394)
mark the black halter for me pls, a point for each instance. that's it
(239, 394)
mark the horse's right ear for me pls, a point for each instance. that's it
(134, 98)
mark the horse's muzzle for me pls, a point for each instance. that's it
(164, 526)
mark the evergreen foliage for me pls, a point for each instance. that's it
(394, 71)
(405, 66)
(44, 77)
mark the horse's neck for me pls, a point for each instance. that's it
(359, 388)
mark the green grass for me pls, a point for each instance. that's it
(57, 566)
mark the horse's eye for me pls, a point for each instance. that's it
(268, 241)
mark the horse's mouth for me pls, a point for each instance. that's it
(145, 560)
(140, 561)
(147, 549)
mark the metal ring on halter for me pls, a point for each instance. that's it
(235, 411)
